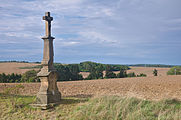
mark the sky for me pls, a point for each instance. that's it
(104, 31)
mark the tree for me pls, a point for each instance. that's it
(155, 72)
(132, 74)
(174, 71)
(4, 78)
(30, 76)
(122, 73)
(10, 78)
(74, 72)
(109, 73)
(96, 73)
(63, 72)
(68, 72)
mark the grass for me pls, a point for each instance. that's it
(117, 108)
(23, 110)
(96, 108)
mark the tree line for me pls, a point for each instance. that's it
(29, 76)
(71, 72)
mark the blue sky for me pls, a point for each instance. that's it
(105, 31)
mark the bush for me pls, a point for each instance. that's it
(155, 72)
(174, 71)
(30, 76)
(132, 74)
(141, 75)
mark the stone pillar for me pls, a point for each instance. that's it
(48, 92)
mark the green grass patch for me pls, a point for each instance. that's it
(96, 108)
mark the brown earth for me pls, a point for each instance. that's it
(14, 67)
(153, 88)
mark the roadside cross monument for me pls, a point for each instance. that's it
(48, 92)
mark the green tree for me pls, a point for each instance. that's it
(109, 72)
(64, 72)
(96, 73)
(122, 73)
(68, 72)
(30, 76)
(132, 74)
(155, 72)
(10, 78)
(174, 71)
(74, 72)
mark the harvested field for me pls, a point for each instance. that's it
(137, 70)
(14, 67)
(149, 70)
(153, 88)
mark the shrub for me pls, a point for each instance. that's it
(174, 71)
(30, 76)
(132, 74)
(155, 72)
(141, 75)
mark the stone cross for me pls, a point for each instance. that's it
(48, 92)
(48, 20)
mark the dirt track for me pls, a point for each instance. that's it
(146, 88)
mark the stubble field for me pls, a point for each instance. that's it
(14, 67)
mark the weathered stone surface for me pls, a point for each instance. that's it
(48, 92)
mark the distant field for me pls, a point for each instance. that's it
(149, 70)
(14, 67)
(137, 70)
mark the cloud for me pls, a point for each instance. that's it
(108, 27)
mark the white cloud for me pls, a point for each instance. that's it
(121, 23)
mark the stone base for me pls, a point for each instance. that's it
(48, 93)
(43, 106)
(47, 98)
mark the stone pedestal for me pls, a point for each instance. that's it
(48, 92)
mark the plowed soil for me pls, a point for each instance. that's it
(154, 88)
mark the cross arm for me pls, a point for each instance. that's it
(47, 18)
